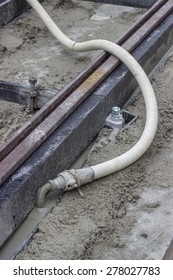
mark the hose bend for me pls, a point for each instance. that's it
(124, 160)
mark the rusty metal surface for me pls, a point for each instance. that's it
(35, 131)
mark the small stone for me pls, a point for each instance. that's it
(9, 122)
(10, 42)
(165, 185)
(121, 213)
(104, 142)
(98, 147)
(2, 49)
(144, 235)
(130, 198)
(121, 244)
(135, 195)
(153, 205)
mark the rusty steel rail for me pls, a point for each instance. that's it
(31, 135)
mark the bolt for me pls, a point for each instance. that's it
(116, 110)
(32, 94)
(115, 119)
(32, 82)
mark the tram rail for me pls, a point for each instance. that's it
(35, 131)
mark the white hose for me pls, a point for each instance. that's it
(118, 163)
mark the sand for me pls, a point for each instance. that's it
(127, 215)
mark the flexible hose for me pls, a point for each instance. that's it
(120, 162)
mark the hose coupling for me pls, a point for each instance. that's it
(65, 181)
(71, 180)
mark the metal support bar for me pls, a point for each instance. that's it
(131, 3)
(16, 93)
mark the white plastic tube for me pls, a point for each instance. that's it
(118, 163)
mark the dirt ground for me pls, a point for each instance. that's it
(127, 215)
